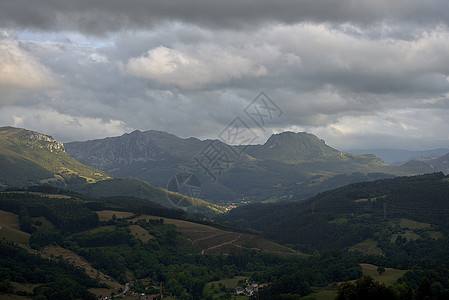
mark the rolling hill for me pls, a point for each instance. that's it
(352, 214)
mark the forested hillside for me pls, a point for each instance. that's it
(345, 216)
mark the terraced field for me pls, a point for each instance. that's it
(212, 240)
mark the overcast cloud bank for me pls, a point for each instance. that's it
(370, 74)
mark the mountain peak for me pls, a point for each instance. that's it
(288, 138)
(293, 147)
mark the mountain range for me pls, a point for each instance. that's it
(289, 166)
(400, 156)
(30, 158)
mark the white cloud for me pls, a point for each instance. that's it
(19, 69)
(59, 125)
(210, 65)
(401, 129)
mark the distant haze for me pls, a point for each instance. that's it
(397, 156)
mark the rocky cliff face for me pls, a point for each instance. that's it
(30, 139)
(137, 146)
(28, 157)
(45, 142)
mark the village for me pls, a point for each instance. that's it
(134, 290)
(249, 290)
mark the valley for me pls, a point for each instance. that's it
(312, 222)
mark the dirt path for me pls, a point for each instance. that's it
(208, 237)
(222, 244)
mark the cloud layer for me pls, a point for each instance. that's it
(365, 74)
(100, 17)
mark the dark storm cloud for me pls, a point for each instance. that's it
(103, 16)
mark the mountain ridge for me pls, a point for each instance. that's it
(30, 158)
(285, 167)
(43, 159)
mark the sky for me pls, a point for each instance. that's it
(361, 74)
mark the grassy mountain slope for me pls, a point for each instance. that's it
(144, 190)
(29, 157)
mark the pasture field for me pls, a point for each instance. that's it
(106, 215)
(9, 219)
(409, 235)
(101, 229)
(229, 282)
(368, 246)
(410, 224)
(388, 278)
(435, 234)
(214, 288)
(322, 294)
(10, 229)
(140, 233)
(45, 223)
(14, 235)
(27, 287)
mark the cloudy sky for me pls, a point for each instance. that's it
(358, 74)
